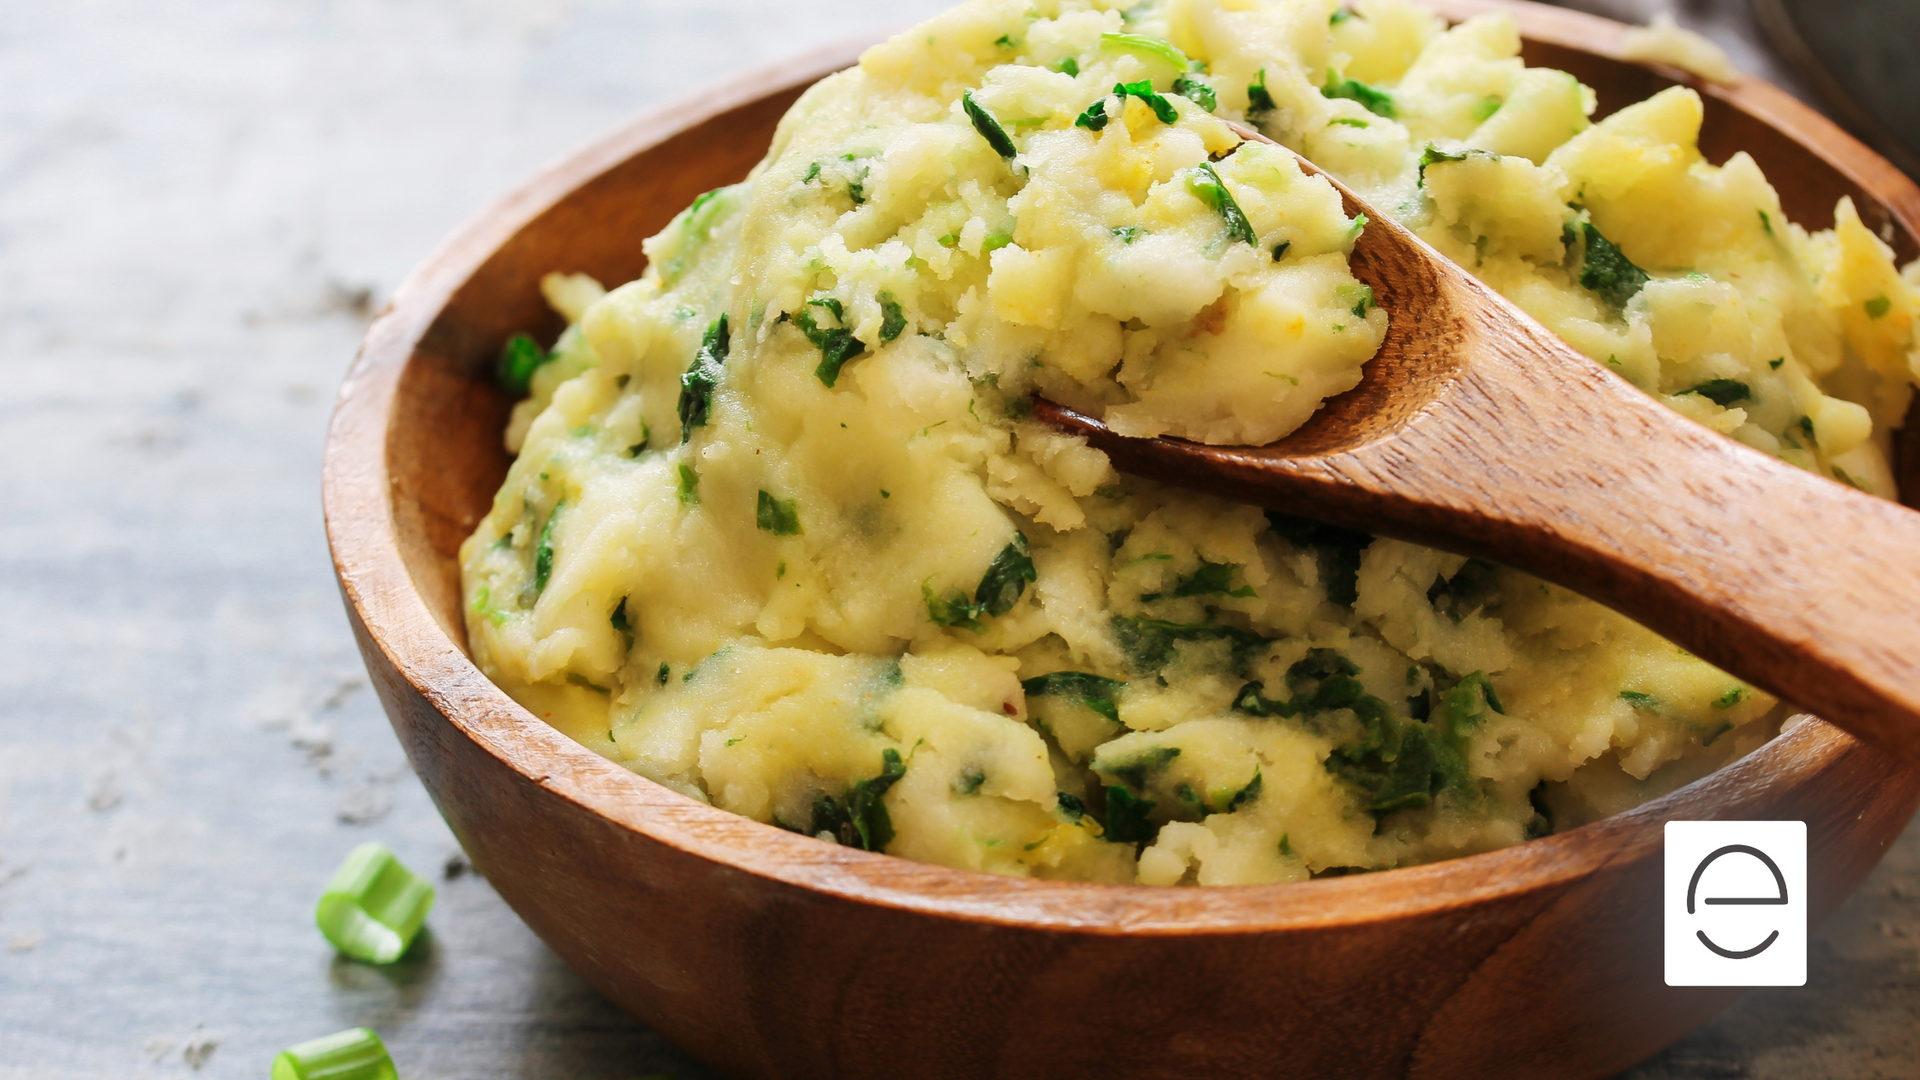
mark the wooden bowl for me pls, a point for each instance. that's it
(770, 954)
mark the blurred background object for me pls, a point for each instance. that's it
(202, 205)
(1856, 60)
(1863, 58)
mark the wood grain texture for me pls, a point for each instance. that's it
(773, 955)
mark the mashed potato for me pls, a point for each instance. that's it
(782, 537)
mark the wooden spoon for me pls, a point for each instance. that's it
(1478, 431)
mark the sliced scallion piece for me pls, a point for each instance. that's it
(374, 906)
(354, 1054)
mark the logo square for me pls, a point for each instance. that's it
(1735, 902)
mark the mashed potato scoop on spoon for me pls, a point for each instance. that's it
(1476, 430)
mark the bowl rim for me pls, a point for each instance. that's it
(385, 604)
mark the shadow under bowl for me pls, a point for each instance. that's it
(769, 954)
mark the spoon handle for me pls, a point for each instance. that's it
(1537, 457)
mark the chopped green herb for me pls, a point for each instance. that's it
(1722, 392)
(1806, 426)
(1095, 118)
(1433, 155)
(1246, 794)
(1280, 249)
(374, 906)
(813, 173)
(1362, 296)
(1348, 121)
(1467, 703)
(885, 494)
(697, 385)
(1340, 15)
(1487, 106)
(1765, 222)
(1259, 101)
(663, 674)
(689, 486)
(1374, 100)
(988, 127)
(1150, 644)
(1143, 43)
(995, 241)
(1340, 547)
(354, 1054)
(1198, 91)
(892, 318)
(969, 781)
(1127, 233)
(1608, 272)
(1731, 698)
(580, 680)
(520, 357)
(1206, 185)
(1069, 66)
(781, 517)
(1775, 364)
(1878, 306)
(861, 819)
(1286, 845)
(1134, 771)
(1359, 226)
(1070, 806)
(1005, 41)
(1006, 578)
(543, 550)
(1127, 817)
(1212, 579)
(1646, 702)
(1095, 692)
(1143, 90)
(1000, 588)
(837, 344)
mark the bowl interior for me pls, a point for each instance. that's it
(443, 447)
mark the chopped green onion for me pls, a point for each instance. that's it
(1259, 100)
(1143, 43)
(1198, 91)
(1070, 66)
(520, 357)
(354, 1054)
(688, 487)
(1206, 184)
(1878, 306)
(700, 380)
(1374, 100)
(892, 319)
(1722, 392)
(1143, 90)
(1608, 271)
(1094, 118)
(987, 126)
(374, 906)
(781, 517)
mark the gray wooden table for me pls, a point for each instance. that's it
(200, 202)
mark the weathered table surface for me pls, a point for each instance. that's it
(200, 202)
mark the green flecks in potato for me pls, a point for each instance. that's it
(520, 357)
(700, 380)
(1607, 270)
(1722, 392)
(970, 588)
(781, 517)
